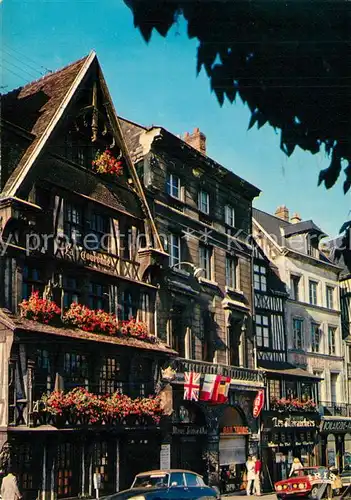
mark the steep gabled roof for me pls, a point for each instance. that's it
(35, 106)
(306, 226)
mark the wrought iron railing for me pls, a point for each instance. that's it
(204, 367)
(336, 409)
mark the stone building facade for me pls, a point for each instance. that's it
(203, 215)
(313, 318)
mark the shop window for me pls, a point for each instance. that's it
(291, 389)
(67, 476)
(260, 278)
(315, 337)
(274, 389)
(71, 290)
(111, 376)
(76, 370)
(297, 333)
(32, 281)
(24, 459)
(306, 391)
(99, 296)
(101, 464)
(73, 223)
(262, 330)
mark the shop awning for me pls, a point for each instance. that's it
(287, 369)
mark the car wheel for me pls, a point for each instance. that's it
(314, 492)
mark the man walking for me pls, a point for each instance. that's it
(9, 489)
(257, 481)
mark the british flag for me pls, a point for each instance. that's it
(191, 386)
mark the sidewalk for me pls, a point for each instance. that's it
(242, 496)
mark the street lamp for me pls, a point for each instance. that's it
(197, 270)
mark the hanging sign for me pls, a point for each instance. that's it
(258, 403)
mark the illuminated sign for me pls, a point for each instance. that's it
(236, 429)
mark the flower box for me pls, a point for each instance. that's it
(293, 405)
(106, 164)
(80, 316)
(80, 407)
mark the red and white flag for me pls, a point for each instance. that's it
(207, 387)
(216, 386)
(191, 386)
(223, 390)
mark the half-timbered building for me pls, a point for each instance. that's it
(314, 342)
(203, 215)
(76, 236)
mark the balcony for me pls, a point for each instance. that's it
(237, 374)
(336, 409)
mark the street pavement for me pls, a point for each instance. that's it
(269, 496)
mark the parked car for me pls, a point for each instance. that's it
(345, 476)
(307, 481)
(174, 484)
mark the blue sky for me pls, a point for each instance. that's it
(156, 83)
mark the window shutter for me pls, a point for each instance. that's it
(58, 222)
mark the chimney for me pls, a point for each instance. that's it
(197, 140)
(296, 218)
(283, 213)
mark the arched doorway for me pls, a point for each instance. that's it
(233, 445)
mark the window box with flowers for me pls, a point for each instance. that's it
(82, 317)
(81, 407)
(293, 405)
(106, 164)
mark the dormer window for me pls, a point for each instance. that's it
(312, 250)
(230, 215)
(204, 202)
(173, 185)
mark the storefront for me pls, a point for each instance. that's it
(284, 437)
(335, 442)
(189, 437)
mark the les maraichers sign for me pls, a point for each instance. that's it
(336, 426)
(289, 422)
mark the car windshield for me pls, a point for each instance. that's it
(309, 472)
(151, 481)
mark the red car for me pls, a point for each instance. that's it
(306, 482)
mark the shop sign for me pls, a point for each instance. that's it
(292, 421)
(189, 430)
(258, 403)
(298, 359)
(165, 456)
(235, 429)
(336, 425)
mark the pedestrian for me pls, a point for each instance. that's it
(9, 489)
(250, 467)
(224, 478)
(257, 482)
(297, 465)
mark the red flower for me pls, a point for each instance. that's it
(38, 309)
(105, 163)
